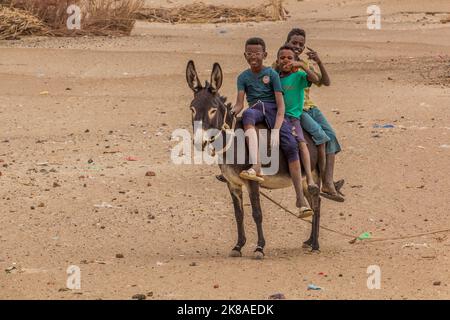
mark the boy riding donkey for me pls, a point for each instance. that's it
(262, 87)
(313, 120)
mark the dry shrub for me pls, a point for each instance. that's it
(201, 13)
(15, 22)
(111, 16)
(98, 17)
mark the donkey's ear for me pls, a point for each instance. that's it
(216, 77)
(192, 77)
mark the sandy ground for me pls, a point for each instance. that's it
(63, 153)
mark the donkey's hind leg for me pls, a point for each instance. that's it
(236, 196)
(314, 201)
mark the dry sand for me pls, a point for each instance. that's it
(116, 94)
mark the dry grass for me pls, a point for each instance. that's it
(201, 13)
(99, 17)
(16, 22)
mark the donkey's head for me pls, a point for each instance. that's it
(208, 107)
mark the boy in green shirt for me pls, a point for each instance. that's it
(294, 83)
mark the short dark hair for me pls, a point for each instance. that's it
(287, 47)
(296, 32)
(256, 41)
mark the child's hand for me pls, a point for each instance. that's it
(313, 55)
(299, 64)
(274, 138)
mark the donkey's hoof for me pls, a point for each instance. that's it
(258, 255)
(235, 254)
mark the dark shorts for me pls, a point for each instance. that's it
(296, 129)
(267, 112)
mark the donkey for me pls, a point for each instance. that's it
(209, 107)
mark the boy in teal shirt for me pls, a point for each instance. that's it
(262, 87)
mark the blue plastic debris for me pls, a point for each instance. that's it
(384, 126)
(313, 287)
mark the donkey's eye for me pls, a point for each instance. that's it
(212, 112)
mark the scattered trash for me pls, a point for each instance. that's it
(420, 147)
(222, 31)
(277, 296)
(90, 161)
(139, 296)
(44, 93)
(63, 289)
(216, 286)
(150, 174)
(130, 158)
(150, 294)
(445, 146)
(119, 256)
(436, 283)
(193, 264)
(10, 269)
(362, 236)
(365, 235)
(313, 287)
(384, 126)
(104, 205)
(415, 245)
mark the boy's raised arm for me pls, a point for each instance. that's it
(312, 76)
(325, 79)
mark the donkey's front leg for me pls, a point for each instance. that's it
(253, 191)
(236, 195)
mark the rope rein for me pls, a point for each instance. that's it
(354, 238)
(227, 130)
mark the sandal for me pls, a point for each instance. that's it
(332, 196)
(251, 174)
(305, 212)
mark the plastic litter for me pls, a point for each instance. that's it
(365, 235)
(104, 205)
(384, 126)
(313, 287)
